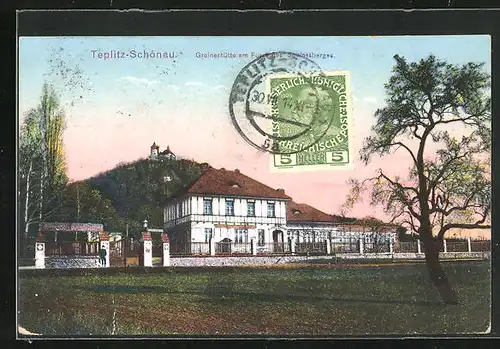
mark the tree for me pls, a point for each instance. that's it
(41, 159)
(451, 186)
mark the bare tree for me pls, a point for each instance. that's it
(451, 186)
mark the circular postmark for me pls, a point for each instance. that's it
(276, 104)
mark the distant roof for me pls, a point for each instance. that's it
(60, 226)
(167, 151)
(305, 213)
(231, 183)
(154, 146)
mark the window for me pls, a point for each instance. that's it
(229, 208)
(179, 210)
(261, 238)
(251, 209)
(241, 236)
(208, 234)
(207, 206)
(270, 209)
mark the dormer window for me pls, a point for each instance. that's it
(234, 184)
(296, 212)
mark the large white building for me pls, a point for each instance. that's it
(229, 205)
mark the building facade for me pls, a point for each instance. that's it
(229, 206)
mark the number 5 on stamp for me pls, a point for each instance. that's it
(312, 119)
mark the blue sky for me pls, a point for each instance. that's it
(191, 79)
(116, 108)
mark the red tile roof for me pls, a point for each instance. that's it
(233, 183)
(304, 213)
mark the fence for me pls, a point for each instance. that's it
(480, 245)
(78, 248)
(224, 248)
(457, 246)
(350, 246)
(135, 249)
(200, 248)
(273, 248)
(448, 245)
(406, 247)
(310, 247)
(377, 247)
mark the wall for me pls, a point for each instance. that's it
(93, 261)
(72, 262)
(235, 261)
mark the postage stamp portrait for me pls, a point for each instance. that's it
(311, 120)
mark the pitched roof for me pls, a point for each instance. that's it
(167, 151)
(232, 183)
(304, 213)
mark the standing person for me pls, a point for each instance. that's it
(102, 256)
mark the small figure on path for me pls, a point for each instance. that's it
(102, 256)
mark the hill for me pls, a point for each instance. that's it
(128, 193)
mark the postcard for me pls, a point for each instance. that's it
(270, 186)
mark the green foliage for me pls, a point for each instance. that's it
(129, 193)
(42, 165)
(450, 188)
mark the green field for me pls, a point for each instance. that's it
(280, 301)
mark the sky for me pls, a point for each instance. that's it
(117, 107)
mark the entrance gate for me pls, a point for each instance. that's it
(116, 253)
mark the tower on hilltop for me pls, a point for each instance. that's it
(155, 149)
(155, 154)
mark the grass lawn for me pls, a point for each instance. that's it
(280, 301)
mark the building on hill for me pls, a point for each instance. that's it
(155, 153)
(229, 206)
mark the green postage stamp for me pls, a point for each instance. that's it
(312, 121)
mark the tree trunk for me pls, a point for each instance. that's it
(436, 272)
(41, 206)
(26, 203)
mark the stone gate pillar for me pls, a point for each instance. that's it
(166, 250)
(104, 244)
(212, 246)
(40, 251)
(148, 249)
(40, 255)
